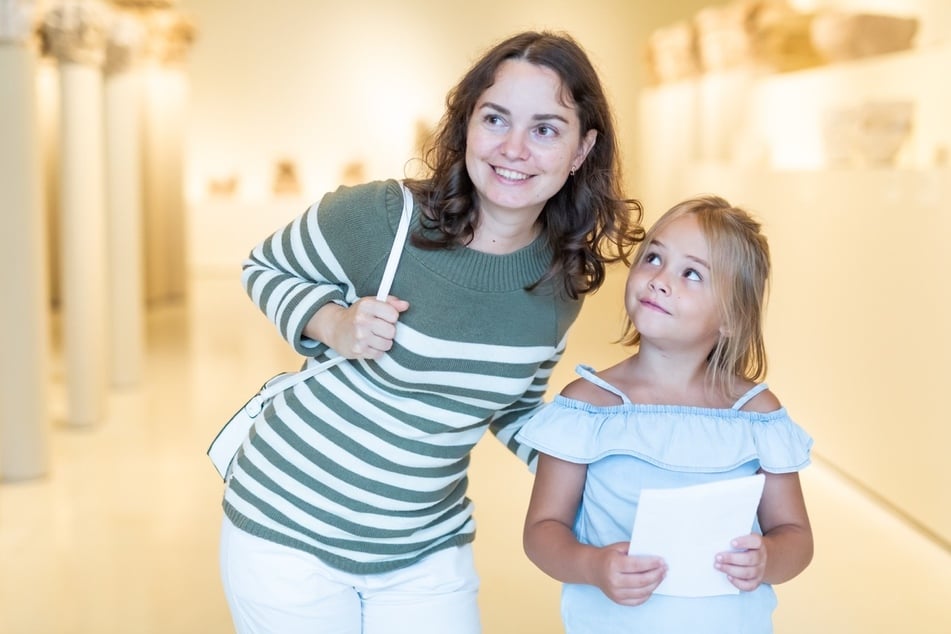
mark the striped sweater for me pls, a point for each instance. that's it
(365, 465)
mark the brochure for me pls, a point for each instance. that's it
(688, 526)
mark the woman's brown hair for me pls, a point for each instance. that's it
(588, 223)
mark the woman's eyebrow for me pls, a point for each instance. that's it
(537, 117)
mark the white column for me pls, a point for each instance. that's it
(47, 87)
(76, 35)
(170, 36)
(24, 330)
(123, 128)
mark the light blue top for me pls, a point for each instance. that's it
(629, 447)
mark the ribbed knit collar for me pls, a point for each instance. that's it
(486, 271)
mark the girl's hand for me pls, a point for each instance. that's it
(627, 579)
(744, 569)
(364, 330)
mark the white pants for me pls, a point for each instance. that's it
(277, 589)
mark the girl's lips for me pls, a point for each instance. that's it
(649, 304)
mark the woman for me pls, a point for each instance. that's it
(346, 508)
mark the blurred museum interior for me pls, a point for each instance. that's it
(147, 145)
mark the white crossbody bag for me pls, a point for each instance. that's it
(225, 446)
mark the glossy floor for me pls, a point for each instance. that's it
(121, 537)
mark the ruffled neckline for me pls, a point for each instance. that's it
(674, 437)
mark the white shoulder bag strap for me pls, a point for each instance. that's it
(226, 444)
(288, 380)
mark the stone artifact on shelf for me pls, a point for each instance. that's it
(883, 128)
(223, 186)
(781, 39)
(868, 135)
(145, 4)
(723, 36)
(422, 136)
(672, 53)
(768, 34)
(353, 173)
(940, 156)
(286, 182)
(840, 36)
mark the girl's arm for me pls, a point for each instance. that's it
(785, 548)
(551, 545)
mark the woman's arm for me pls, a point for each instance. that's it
(324, 262)
(364, 330)
(507, 422)
(551, 545)
(785, 547)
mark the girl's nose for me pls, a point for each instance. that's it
(659, 285)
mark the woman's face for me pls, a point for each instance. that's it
(522, 141)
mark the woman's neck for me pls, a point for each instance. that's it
(502, 242)
(502, 233)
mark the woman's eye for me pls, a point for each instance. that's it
(493, 119)
(546, 131)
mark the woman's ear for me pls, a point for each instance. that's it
(587, 142)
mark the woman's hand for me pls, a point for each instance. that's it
(363, 330)
(626, 579)
(746, 566)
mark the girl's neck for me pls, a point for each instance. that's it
(661, 378)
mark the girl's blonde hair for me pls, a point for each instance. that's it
(740, 269)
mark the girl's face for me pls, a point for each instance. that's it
(669, 295)
(522, 141)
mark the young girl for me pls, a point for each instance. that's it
(686, 408)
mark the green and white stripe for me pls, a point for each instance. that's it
(365, 464)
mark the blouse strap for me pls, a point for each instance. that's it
(753, 391)
(588, 373)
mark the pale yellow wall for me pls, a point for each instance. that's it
(326, 84)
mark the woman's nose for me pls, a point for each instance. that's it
(514, 145)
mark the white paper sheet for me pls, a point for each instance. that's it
(688, 526)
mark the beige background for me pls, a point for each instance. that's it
(121, 536)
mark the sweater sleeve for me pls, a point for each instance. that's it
(507, 422)
(328, 254)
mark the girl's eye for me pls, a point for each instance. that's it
(652, 258)
(691, 274)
